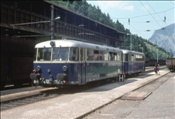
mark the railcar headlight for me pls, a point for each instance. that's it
(49, 71)
(33, 71)
(52, 43)
(64, 68)
(38, 68)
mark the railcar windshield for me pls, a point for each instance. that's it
(44, 54)
(60, 53)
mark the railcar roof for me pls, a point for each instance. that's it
(73, 43)
(132, 52)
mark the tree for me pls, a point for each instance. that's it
(71, 1)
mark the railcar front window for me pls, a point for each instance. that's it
(60, 53)
(44, 54)
(139, 57)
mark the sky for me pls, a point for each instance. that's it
(140, 17)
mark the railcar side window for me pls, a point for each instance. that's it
(74, 54)
(82, 54)
(105, 55)
(129, 57)
(118, 57)
(115, 56)
(97, 55)
(44, 54)
(60, 53)
(126, 57)
(90, 54)
(111, 56)
(132, 57)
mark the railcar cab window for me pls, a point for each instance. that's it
(44, 54)
(139, 57)
(60, 54)
(74, 54)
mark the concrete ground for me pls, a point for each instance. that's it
(160, 104)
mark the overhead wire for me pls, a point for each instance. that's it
(153, 9)
(137, 30)
(164, 30)
(146, 14)
(172, 2)
(147, 21)
(158, 16)
(150, 13)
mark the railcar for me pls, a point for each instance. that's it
(70, 62)
(133, 62)
(152, 62)
(170, 63)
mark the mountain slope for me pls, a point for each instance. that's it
(165, 38)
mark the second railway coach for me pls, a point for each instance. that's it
(133, 62)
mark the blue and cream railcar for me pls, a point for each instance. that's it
(133, 62)
(69, 62)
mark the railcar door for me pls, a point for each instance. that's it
(83, 66)
(126, 64)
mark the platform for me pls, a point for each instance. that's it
(71, 106)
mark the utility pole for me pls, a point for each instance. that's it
(130, 41)
(52, 22)
(157, 53)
